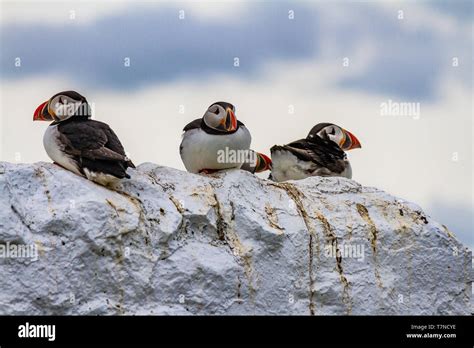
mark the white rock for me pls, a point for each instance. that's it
(170, 242)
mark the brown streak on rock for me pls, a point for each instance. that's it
(296, 196)
(364, 214)
(332, 239)
(230, 238)
(272, 218)
(177, 204)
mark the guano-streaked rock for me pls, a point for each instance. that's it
(170, 242)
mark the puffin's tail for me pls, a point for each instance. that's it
(115, 168)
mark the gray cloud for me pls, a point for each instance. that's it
(459, 9)
(161, 47)
(407, 62)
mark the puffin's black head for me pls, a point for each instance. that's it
(328, 131)
(221, 117)
(62, 106)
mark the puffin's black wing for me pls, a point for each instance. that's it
(322, 152)
(193, 125)
(95, 146)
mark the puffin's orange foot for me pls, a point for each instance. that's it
(208, 171)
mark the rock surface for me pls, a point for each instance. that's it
(170, 242)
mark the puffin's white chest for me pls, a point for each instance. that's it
(55, 150)
(201, 150)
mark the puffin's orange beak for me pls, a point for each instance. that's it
(41, 113)
(230, 121)
(350, 141)
(263, 163)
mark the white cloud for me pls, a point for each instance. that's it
(420, 15)
(61, 12)
(58, 12)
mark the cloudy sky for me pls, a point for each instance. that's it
(299, 63)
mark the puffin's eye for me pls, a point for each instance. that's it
(216, 111)
(332, 132)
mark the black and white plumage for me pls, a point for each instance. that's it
(208, 141)
(76, 142)
(320, 154)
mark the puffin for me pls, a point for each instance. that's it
(320, 154)
(215, 142)
(79, 144)
(256, 162)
